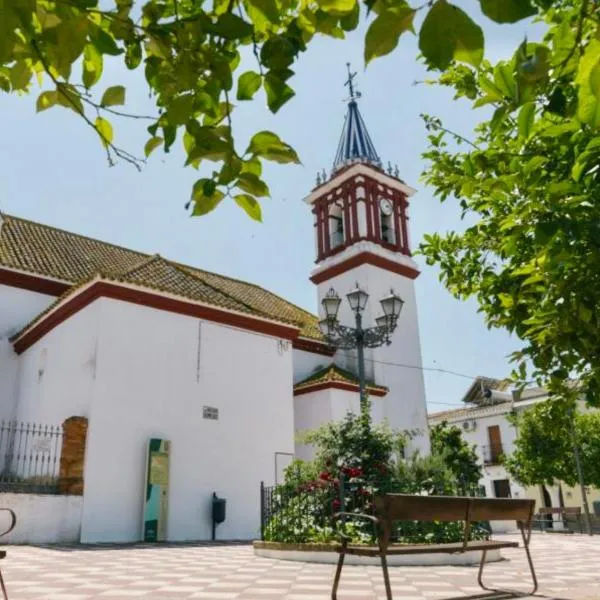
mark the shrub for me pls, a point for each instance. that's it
(355, 461)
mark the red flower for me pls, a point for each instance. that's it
(336, 504)
(325, 476)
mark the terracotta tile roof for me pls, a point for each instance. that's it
(54, 253)
(333, 373)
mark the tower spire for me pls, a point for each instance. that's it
(355, 142)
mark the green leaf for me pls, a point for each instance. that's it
(252, 165)
(248, 84)
(526, 119)
(105, 130)
(278, 91)
(588, 80)
(269, 146)
(113, 96)
(250, 205)
(263, 13)
(507, 11)
(504, 80)
(180, 109)
(277, 53)
(385, 31)
(230, 170)
(595, 79)
(133, 54)
(46, 100)
(506, 300)
(92, 65)
(232, 27)
(205, 197)
(252, 184)
(350, 21)
(104, 42)
(490, 88)
(151, 144)
(208, 146)
(449, 33)
(337, 7)
(20, 75)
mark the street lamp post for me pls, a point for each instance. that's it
(347, 338)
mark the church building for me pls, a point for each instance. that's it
(142, 347)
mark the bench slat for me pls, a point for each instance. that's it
(429, 548)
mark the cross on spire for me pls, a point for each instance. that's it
(350, 83)
(355, 143)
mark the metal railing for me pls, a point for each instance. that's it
(29, 457)
(493, 454)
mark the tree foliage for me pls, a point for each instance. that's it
(528, 183)
(543, 452)
(457, 455)
(191, 54)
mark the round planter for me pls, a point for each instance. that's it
(325, 553)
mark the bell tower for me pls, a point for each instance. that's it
(361, 230)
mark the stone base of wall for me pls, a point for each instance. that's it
(42, 518)
(324, 553)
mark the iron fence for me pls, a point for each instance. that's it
(29, 457)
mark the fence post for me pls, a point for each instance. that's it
(72, 456)
(262, 510)
(342, 497)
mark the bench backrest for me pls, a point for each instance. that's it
(404, 507)
(566, 510)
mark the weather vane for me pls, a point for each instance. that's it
(350, 83)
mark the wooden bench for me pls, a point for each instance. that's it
(13, 522)
(390, 508)
(564, 511)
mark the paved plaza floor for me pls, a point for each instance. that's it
(568, 567)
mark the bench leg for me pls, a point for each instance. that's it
(480, 574)
(4, 592)
(338, 573)
(531, 569)
(386, 577)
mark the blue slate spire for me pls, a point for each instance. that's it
(355, 143)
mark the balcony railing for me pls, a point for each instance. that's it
(493, 455)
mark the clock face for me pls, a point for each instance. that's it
(386, 206)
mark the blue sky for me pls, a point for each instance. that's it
(53, 170)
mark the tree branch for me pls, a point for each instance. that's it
(108, 145)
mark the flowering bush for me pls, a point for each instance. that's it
(355, 461)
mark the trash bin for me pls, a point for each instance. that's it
(218, 512)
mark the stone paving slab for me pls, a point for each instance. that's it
(568, 568)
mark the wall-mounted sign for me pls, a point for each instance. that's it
(210, 412)
(156, 491)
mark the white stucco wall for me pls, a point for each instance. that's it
(152, 382)
(404, 405)
(306, 363)
(17, 308)
(57, 374)
(42, 518)
(315, 408)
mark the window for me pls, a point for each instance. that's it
(336, 226)
(494, 453)
(502, 488)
